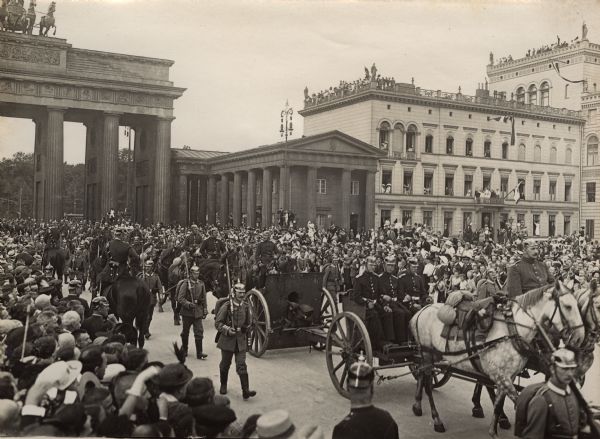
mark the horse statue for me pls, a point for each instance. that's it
(129, 300)
(47, 21)
(13, 16)
(30, 17)
(504, 353)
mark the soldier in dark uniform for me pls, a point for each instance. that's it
(264, 256)
(412, 285)
(152, 281)
(121, 251)
(212, 247)
(367, 292)
(193, 240)
(232, 322)
(191, 295)
(528, 273)
(395, 316)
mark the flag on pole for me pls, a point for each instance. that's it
(512, 124)
(516, 192)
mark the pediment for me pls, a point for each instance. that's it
(336, 142)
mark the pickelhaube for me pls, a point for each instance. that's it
(360, 374)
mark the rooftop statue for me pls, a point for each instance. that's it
(14, 17)
(47, 20)
(492, 58)
(584, 31)
(373, 72)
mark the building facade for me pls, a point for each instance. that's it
(563, 75)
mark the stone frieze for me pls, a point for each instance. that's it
(36, 55)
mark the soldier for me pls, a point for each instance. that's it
(232, 322)
(193, 240)
(152, 281)
(366, 292)
(331, 276)
(411, 284)
(528, 273)
(212, 247)
(191, 295)
(120, 250)
(264, 256)
(395, 316)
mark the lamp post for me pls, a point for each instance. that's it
(286, 121)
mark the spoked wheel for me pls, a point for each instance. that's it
(259, 330)
(329, 310)
(347, 338)
(440, 375)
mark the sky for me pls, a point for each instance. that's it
(241, 60)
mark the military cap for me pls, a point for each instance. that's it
(149, 263)
(48, 267)
(75, 283)
(360, 374)
(413, 260)
(240, 287)
(564, 358)
(195, 269)
(100, 301)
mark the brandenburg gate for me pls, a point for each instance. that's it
(50, 82)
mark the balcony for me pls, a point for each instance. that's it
(496, 201)
(405, 155)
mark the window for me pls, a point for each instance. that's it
(386, 181)
(487, 149)
(503, 186)
(449, 145)
(537, 153)
(568, 154)
(567, 222)
(321, 186)
(487, 182)
(566, 91)
(449, 185)
(448, 223)
(411, 138)
(428, 184)
(384, 135)
(38, 162)
(468, 190)
(589, 228)
(552, 190)
(536, 224)
(428, 218)
(532, 92)
(522, 190)
(429, 143)
(553, 154)
(551, 225)
(590, 191)
(408, 183)
(354, 187)
(467, 219)
(505, 150)
(407, 218)
(321, 220)
(386, 215)
(521, 95)
(537, 187)
(544, 94)
(522, 152)
(592, 151)
(567, 191)
(469, 147)
(520, 218)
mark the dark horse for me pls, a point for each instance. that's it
(56, 257)
(214, 276)
(129, 300)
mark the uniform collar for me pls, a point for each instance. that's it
(555, 389)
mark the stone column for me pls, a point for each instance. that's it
(54, 163)
(251, 198)
(182, 193)
(237, 199)
(202, 201)
(162, 170)
(109, 159)
(346, 187)
(211, 207)
(267, 197)
(38, 170)
(224, 201)
(311, 194)
(284, 187)
(193, 197)
(369, 200)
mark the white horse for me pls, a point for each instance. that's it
(503, 358)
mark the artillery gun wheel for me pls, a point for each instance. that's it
(346, 339)
(258, 332)
(329, 309)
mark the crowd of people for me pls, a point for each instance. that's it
(69, 367)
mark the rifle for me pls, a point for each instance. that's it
(594, 427)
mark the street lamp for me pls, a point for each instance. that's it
(286, 121)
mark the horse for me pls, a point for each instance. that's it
(129, 300)
(214, 276)
(502, 356)
(56, 257)
(47, 21)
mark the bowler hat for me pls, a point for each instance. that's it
(173, 375)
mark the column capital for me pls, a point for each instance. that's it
(53, 108)
(112, 113)
(165, 118)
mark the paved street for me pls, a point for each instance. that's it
(297, 380)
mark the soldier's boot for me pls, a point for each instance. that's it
(224, 377)
(199, 354)
(176, 321)
(160, 308)
(184, 346)
(246, 392)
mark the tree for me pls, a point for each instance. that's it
(16, 185)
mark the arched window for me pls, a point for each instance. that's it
(592, 151)
(545, 94)
(568, 155)
(411, 138)
(384, 135)
(522, 152)
(398, 139)
(469, 147)
(429, 143)
(505, 150)
(487, 148)
(532, 93)
(537, 153)
(553, 154)
(450, 145)
(521, 95)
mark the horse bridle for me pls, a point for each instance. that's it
(589, 308)
(567, 327)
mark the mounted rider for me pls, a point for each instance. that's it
(212, 247)
(529, 273)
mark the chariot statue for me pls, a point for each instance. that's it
(14, 17)
(47, 20)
